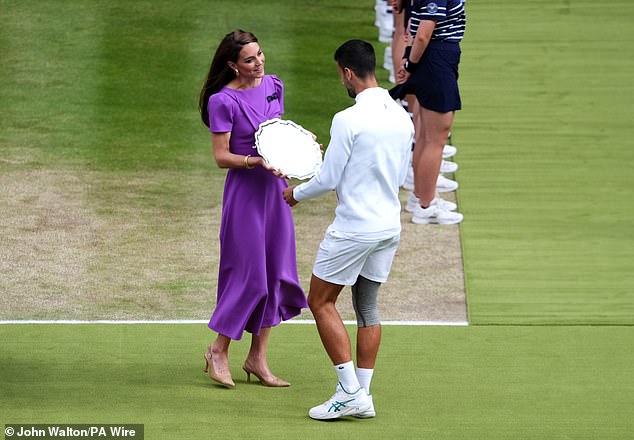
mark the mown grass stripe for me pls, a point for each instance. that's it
(198, 321)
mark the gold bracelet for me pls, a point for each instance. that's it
(246, 162)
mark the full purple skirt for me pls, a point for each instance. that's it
(258, 285)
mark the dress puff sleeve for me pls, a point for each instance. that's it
(279, 90)
(221, 113)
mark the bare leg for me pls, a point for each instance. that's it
(412, 105)
(217, 361)
(256, 363)
(415, 109)
(256, 359)
(220, 353)
(322, 298)
(432, 129)
(398, 40)
(368, 341)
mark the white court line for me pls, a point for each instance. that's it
(197, 321)
(439, 323)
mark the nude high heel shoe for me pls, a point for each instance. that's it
(272, 381)
(206, 368)
(223, 379)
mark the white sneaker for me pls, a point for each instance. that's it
(378, 8)
(448, 167)
(387, 59)
(435, 214)
(413, 202)
(449, 151)
(342, 404)
(384, 21)
(368, 413)
(445, 204)
(385, 35)
(445, 185)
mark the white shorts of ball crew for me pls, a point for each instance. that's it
(342, 260)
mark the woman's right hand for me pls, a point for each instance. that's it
(402, 75)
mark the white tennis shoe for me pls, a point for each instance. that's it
(387, 59)
(449, 151)
(342, 404)
(413, 202)
(434, 214)
(384, 21)
(368, 413)
(448, 167)
(445, 185)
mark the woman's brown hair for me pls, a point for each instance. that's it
(220, 74)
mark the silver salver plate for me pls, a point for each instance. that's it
(288, 147)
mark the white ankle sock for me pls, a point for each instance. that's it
(347, 377)
(365, 377)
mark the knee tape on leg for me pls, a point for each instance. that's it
(364, 293)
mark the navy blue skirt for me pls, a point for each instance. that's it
(435, 81)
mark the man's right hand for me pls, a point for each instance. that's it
(288, 196)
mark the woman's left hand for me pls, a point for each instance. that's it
(278, 173)
(259, 161)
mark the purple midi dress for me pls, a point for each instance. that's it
(258, 284)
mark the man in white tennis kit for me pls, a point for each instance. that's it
(365, 162)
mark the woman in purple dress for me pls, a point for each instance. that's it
(258, 286)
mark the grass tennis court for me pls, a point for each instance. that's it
(433, 382)
(103, 160)
(547, 178)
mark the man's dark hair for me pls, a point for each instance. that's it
(358, 56)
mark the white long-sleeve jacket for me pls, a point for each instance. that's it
(366, 162)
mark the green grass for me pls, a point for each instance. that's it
(545, 159)
(99, 111)
(115, 85)
(106, 94)
(110, 199)
(439, 383)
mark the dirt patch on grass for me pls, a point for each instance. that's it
(45, 245)
(426, 282)
(91, 245)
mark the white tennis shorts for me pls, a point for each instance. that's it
(341, 260)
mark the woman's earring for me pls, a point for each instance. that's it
(237, 73)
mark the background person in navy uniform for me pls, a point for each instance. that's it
(429, 70)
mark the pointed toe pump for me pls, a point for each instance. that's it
(271, 381)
